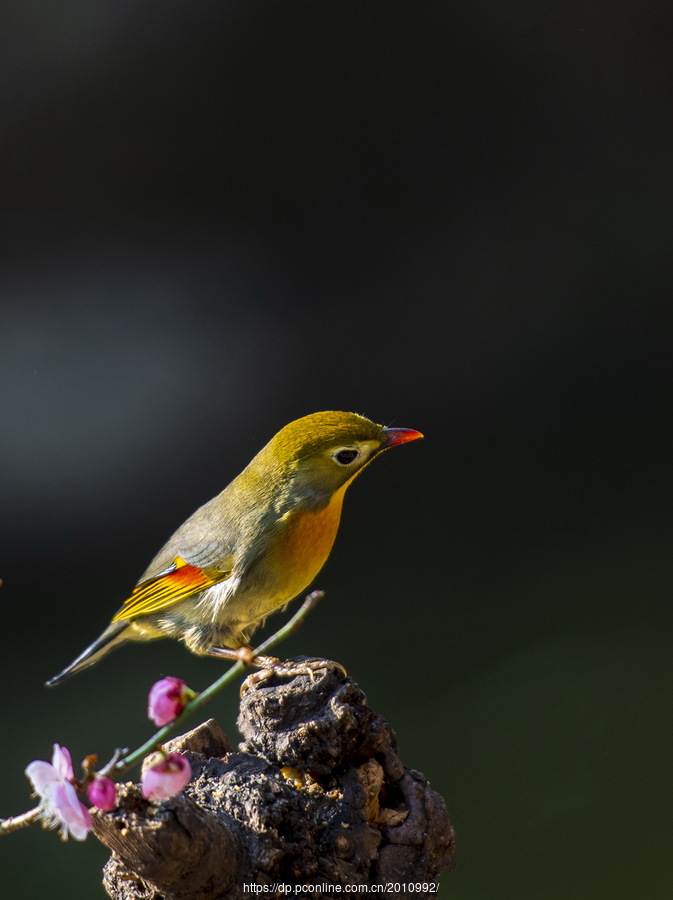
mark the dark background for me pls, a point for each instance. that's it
(219, 216)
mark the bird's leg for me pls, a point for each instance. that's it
(269, 665)
(245, 655)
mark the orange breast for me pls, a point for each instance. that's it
(305, 543)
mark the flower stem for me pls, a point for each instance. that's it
(118, 766)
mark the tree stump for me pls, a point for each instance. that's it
(316, 796)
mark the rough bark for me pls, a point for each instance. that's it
(316, 795)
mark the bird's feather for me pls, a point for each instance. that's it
(177, 582)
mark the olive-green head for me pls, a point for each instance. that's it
(324, 451)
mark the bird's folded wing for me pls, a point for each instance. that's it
(177, 582)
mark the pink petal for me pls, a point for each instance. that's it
(41, 774)
(62, 762)
(167, 778)
(162, 710)
(74, 815)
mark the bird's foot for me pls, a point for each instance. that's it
(271, 665)
(285, 669)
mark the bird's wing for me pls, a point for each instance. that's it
(176, 582)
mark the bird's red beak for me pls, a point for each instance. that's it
(399, 436)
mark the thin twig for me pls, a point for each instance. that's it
(20, 821)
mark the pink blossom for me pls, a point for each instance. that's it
(53, 783)
(102, 792)
(167, 778)
(167, 699)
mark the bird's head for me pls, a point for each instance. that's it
(324, 451)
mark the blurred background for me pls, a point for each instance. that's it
(218, 217)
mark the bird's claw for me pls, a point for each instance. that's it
(286, 669)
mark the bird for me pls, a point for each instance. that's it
(254, 547)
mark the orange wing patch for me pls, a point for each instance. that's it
(176, 583)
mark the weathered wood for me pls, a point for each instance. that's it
(316, 795)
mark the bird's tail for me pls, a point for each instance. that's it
(111, 637)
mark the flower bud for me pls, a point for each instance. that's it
(102, 793)
(166, 778)
(167, 699)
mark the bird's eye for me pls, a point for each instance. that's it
(346, 457)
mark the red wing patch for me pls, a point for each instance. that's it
(177, 583)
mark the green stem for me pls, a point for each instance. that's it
(121, 763)
(116, 767)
